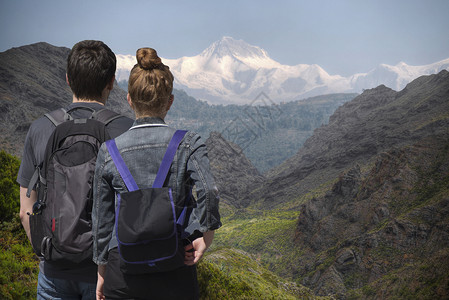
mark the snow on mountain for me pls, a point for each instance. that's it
(124, 65)
(233, 72)
(395, 77)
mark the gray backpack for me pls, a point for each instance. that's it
(60, 223)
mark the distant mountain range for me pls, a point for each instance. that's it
(233, 72)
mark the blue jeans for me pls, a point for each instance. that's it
(55, 288)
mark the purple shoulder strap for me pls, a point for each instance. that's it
(168, 158)
(163, 169)
(121, 166)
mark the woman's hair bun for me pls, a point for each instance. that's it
(148, 60)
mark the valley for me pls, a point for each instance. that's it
(361, 210)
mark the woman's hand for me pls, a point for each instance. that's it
(194, 252)
(100, 282)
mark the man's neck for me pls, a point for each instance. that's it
(76, 100)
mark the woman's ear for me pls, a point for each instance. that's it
(170, 101)
(130, 102)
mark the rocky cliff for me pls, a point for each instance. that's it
(33, 82)
(373, 122)
(385, 230)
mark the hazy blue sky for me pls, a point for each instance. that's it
(343, 37)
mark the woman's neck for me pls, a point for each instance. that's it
(140, 116)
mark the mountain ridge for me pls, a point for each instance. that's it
(232, 71)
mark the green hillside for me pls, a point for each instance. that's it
(229, 273)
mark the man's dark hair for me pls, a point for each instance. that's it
(90, 67)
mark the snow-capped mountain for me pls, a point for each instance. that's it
(233, 72)
(395, 77)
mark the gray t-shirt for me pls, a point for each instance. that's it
(33, 154)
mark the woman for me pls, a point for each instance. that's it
(142, 148)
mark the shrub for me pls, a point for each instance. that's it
(9, 188)
(19, 266)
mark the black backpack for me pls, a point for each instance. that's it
(60, 224)
(149, 232)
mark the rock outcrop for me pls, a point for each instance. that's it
(376, 224)
(233, 172)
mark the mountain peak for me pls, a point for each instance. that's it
(229, 46)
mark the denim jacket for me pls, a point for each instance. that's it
(142, 149)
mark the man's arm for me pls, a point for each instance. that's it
(26, 206)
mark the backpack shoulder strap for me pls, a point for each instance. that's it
(33, 181)
(168, 158)
(105, 116)
(121, 166)
(58, 116)
(163, 169)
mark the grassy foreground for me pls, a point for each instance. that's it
(222, 274)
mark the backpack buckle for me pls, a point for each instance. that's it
(46, 248)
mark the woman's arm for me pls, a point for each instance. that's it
(206, 213)
(103, 210)
(100, 282)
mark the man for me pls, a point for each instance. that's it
(90, 74)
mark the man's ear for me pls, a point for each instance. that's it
(67, 79)
(111, 83)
